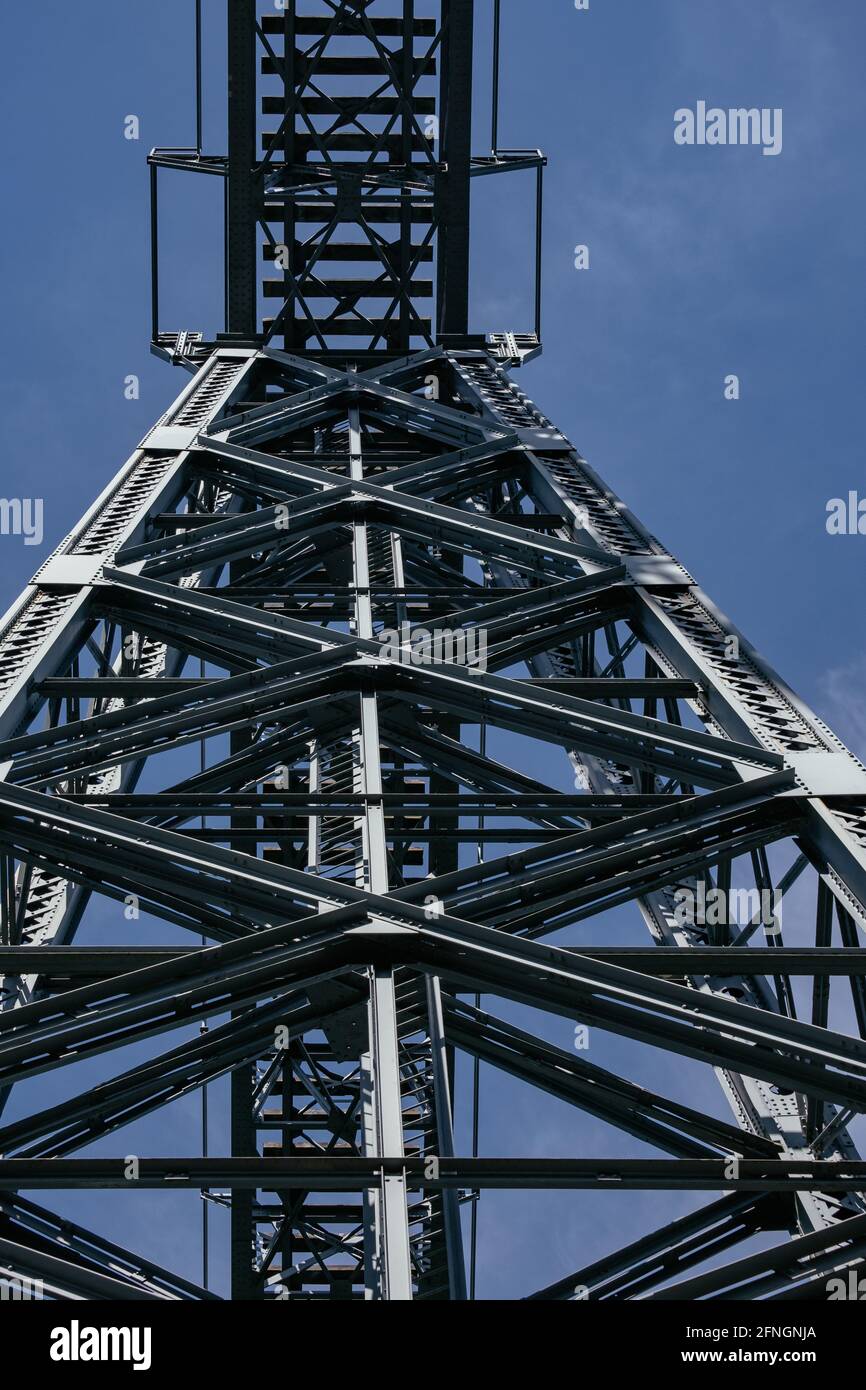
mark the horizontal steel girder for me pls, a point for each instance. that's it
(330, 1174)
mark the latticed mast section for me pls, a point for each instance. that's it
(361, 679)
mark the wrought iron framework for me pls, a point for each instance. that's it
(358, 860)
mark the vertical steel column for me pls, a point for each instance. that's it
(454, 183)
(242, 320)
(7, 900)
(198, 79)
(244, 1284)
(497, 31)
(154, 253)
(290, 335)
(442, 1090)
(241, 300)
(389, 1259)
(407, 136)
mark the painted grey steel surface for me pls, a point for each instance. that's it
(330, 575)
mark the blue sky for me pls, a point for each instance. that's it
(704, 262)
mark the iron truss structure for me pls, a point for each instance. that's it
(199, 719)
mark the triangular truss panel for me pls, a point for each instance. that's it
(363, 683)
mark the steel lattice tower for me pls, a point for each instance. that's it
(348, 461)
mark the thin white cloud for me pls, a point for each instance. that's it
(844, 691)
